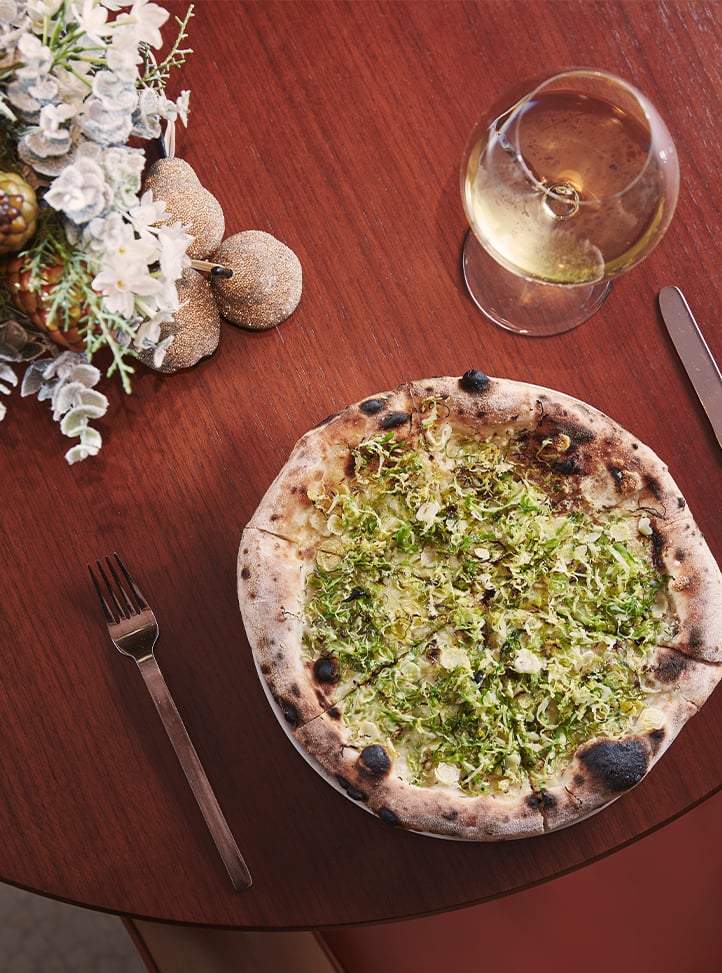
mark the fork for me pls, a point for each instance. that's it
(134, 631)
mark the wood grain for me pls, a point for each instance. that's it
(338, 128)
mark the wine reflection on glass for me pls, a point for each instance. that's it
(570, 186)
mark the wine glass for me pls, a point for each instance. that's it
(572, 185)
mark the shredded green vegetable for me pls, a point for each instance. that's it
(489, 625)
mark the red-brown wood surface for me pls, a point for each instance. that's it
(339, 129)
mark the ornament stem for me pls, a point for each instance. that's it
(215, 270)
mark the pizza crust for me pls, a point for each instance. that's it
(369, 776)
(320, 461)
(695, 588)
(602, 770)
(271, 580)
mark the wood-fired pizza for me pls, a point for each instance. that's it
(481, 608)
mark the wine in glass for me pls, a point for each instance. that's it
(567, 188)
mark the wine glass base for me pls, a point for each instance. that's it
(524, 306)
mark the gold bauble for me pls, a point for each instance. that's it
(266, 284)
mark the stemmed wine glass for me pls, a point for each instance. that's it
(570, 186)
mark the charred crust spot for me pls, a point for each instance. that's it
(388, 816)
(656, 737)
(569, 466)
(670, 669)
(353, 792)
(541, 799)
(657, 542)
(655, 487)
(245, 573)
(451, 815)
(696, 638)
(617, 764)
(681, 503)
(290, 713)
(680, 555)
(394, 419)
(548, 800)
(325, 422)
(266, 668)
(335, 713)
(374, 761)
(295, 691)
(474, 381)
(325, 670)
(579, 435)
(371, 406)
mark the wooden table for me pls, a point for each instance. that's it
(338, 128)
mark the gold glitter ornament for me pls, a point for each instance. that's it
(196, 327)
(266, 284)
(187, 201)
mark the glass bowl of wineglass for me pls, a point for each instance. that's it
(565, 189)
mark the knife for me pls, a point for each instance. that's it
(694, 354)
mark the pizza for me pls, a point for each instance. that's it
(480, 608)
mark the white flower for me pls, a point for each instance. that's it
(79, 191)
(147, 212)
(36, 58)
(91, 19)
(125, 279)
(39, 9)
(174, 242)
(143, 23)
(123, 56)
(104, 232)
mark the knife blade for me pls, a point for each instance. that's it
(694, 354)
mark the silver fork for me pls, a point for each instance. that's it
(134, 630)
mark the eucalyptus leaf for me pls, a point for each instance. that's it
(73, 422)
(67, 396)
(94, 402)
(34, 378)
(86, 374)
(8, 375)
(91, 439)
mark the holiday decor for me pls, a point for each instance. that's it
(102, 248)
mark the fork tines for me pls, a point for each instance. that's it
(123, 600)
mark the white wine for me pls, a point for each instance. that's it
(565, 188)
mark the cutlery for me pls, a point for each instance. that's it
(134, 631)
(694, 354)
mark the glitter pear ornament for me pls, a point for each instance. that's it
(187, 201)
(196, 326)
(266, 284)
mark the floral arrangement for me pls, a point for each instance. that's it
(88, 260)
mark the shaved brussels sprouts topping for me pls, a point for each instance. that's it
(490, 625)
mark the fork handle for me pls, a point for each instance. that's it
(195, 774)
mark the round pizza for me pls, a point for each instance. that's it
(481, 608)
